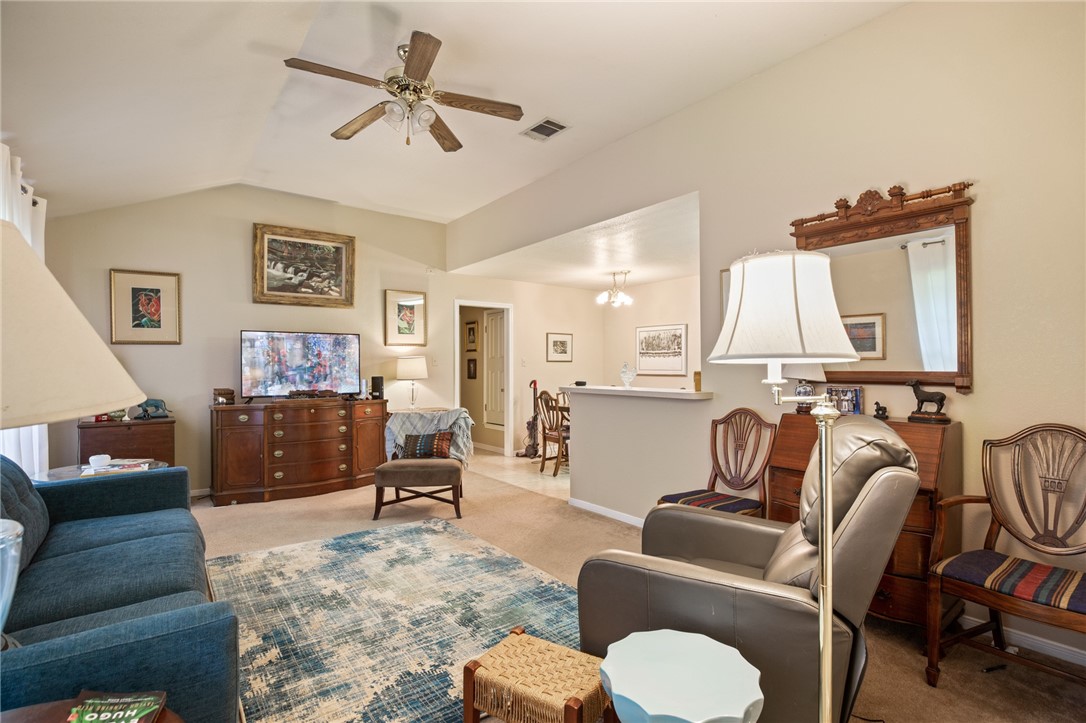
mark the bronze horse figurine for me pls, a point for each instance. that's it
(923, 396)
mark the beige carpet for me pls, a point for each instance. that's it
(555, 537)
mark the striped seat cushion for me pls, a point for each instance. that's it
(713, 500)
(1035, 582)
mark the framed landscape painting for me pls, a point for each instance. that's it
(559, 347)
(303, 268)
(661, 350)
(405, 318)
(867, 332)
(144, 307)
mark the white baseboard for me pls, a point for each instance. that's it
(489, 448)
(1035, 643)
(620, 516)
(205, 492)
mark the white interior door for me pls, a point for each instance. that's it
(494, 367)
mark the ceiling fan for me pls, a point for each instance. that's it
(411, 85)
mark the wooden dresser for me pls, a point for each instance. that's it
(294, 448)
(902, 593)
(143, 438)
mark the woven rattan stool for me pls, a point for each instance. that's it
(524, 679)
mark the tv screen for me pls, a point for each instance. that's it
(274, 363)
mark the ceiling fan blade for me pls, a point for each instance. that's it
(420, 56)
(444, 136)
(299, 64)
(478, 105)
(353, 126)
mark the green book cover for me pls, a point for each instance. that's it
(92, 707)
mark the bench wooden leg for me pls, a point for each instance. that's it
(574, 711)
(456, 500)
(471, 713)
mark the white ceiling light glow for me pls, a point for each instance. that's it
(616, 296)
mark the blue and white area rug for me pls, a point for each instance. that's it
(377, 625)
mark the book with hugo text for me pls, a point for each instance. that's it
(93, 707)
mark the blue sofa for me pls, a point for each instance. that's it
(113, 595)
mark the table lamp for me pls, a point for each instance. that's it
(781, 308)
(412, 367)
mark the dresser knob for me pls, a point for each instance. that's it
(277, 453)
(343, 412)
(278, 433)
(342, 448)
(881, 594)
(342, 467)
(796, 491)
(277, 416)
(278, 475)
(312, 411)
(369, 411)
(243, 417)
(343, 428)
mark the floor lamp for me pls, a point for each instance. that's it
(53, 365)
(781, 309)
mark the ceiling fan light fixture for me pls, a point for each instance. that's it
(422, 117)
(396, 111)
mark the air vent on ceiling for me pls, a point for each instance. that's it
(544, 130)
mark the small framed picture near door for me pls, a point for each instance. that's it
(867, 332)
(471, 331)
(559, 347)
(473, 369)
(661, 350)
(144, 307)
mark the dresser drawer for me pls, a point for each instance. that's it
(240, 417)
(307, 414)
(308, 432)
(921, 517)
(369, 410)
(306, 472)
(290, 452)
(901, 598)
(910, 555)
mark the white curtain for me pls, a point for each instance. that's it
(26, 446)
(934, 281)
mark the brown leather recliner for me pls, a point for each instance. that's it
(752, 583)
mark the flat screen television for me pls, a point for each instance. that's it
(275, 363)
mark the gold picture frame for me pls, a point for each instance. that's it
(301, 267)
(405, 318)
(144, 307)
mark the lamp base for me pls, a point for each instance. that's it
(803, 408)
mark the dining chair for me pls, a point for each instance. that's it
(554, 427)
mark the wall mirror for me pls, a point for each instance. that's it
(901, 271)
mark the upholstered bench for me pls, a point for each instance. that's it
(404, 475)
(524, 679)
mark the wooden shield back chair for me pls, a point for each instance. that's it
(1035, 482)
(740, 442)
(554, 429)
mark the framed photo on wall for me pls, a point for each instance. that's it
(559, 347)
(144, 307)
(473, 369)
(405, 318)
(867, 332)
(661, 350)
(300, 267)
(471, 331)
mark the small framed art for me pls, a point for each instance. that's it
(405, 318)
(144, 307)
(473, 369)
(471, 330)
(867, 332)
(559, 347)
(661, 350)
(847, 399)
(300, 267)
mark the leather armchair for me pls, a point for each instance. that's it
(752, 583)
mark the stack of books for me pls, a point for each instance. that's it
(115, 466)
(129, 707)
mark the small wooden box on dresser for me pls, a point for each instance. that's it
(902, 593)
(294, 448)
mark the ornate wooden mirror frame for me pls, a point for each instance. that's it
(876, 217)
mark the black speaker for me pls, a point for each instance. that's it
(377, 388)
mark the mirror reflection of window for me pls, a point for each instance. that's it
(931, 269)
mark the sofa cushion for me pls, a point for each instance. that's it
(80, 623)
(19, 501)
(65, 538)
(124, 573)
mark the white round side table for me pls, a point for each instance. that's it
(666, 675)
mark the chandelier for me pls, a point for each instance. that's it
(615, 296)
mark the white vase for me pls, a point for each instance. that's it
(626, 375)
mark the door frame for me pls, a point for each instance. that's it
(509, 381)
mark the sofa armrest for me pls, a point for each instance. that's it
(126, 493)
(191, 653)
(688, 533)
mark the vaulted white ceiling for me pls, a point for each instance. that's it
(111, 103)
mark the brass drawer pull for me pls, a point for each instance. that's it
(278, 433)
(343, 412)
(369, 410)
(277, 453)
(243, 417)
(342, 467)
(342, 428)
(277, 416)
(796, 491)
(342, 448)
(312, 411)
(278, 475)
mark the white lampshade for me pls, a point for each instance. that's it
(781, 308)
(411, 367)
(810, 372)
(53, 365)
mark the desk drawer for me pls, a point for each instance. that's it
(307, 414)
(306, 472)
(367, 410)
(240, 417)
(291, 452)
(901, 598)
(910, 556)
(307, 432)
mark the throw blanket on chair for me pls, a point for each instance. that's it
(457, 421)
